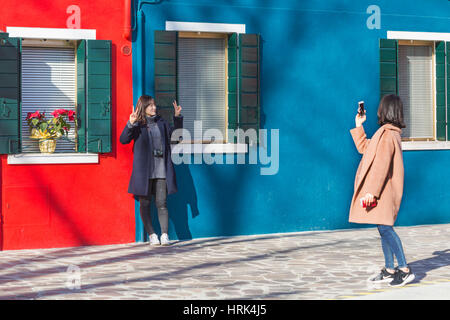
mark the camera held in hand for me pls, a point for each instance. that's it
(158, 153)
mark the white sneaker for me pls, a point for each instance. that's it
(154, 239)
(164, 239)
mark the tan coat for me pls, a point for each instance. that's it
(380, 173)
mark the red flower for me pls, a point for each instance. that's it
(66, 129)
(71, 115)
(59, 112)
(37, 114)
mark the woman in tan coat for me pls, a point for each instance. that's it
(378, 185)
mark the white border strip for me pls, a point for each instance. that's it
(204, 27)
(425, 145)
(186, 148)
(52, 33)
(426, 36)
(62, 158)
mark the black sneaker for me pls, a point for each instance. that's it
(383, 276)
(401, 278)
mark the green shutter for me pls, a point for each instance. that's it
(10, 49)
(249, 89)
(165, 76)
(81, 96)
(447, 45)
(98, 95)
(388, 67)
(232, 82)
(440, 91)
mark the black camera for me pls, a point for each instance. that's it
(158, 153)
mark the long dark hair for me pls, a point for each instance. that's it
(390, 111)
(141, 105)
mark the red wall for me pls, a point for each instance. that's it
(58, 205)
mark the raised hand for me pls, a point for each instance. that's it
(177, 108)
(133, 116)
(359, 120)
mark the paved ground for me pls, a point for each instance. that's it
(305, 265)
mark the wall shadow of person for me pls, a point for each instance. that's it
(440, 259)
(178, 205)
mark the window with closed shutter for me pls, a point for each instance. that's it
(48, 84)
(416, 91)
(202, 83)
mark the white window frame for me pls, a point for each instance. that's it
(54, 34)
(207, 27)
(424, 36)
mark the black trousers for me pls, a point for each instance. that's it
(158, 189)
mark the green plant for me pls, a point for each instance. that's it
(40, 128)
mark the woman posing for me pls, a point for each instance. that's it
(153, 173)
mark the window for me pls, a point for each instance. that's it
(416, 89)
(201, 82)
(38, 74)
(48, 83)
(416, 70)
(213, 76)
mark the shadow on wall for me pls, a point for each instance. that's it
(228, 212)
(28, 226)
(179, 202)
(184, 202)
(46, 216)
(179, 205)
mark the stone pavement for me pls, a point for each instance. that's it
(302, 265)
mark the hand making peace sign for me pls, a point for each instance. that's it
(133, 115)
(177, 108)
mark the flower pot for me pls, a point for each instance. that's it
(47, 145)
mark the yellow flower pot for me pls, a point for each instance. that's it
(47, 145)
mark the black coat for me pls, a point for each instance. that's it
(143, 155)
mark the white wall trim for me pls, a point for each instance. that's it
(54, 158)
(426, 36)
(204, 27)
(425, 145)
(187, 148)
(52, 33)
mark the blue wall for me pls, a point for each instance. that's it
(318, 60)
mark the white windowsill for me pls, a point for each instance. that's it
(74, 158)
(425, 145)
(187, 148)
(54, 158)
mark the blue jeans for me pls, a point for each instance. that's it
(392, 245)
